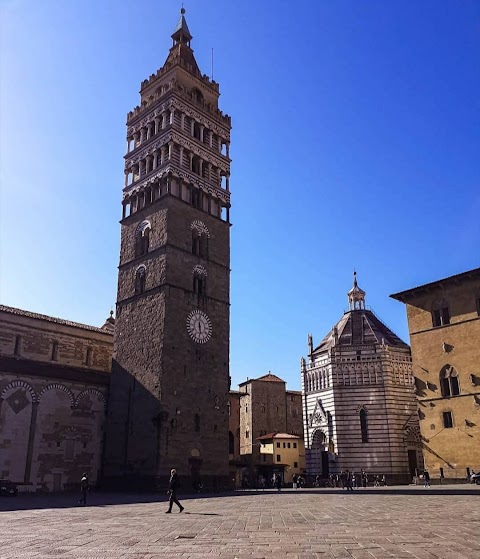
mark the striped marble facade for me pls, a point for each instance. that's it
(360, 410)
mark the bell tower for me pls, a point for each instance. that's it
(170, 371)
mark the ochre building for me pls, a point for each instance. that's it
(170, 372)
(54, 379)
(444, 325)
(359, 404)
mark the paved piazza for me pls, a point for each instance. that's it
(407, 523)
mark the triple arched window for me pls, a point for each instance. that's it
(449, 381)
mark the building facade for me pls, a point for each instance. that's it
(170, 371)
(444, 325)
(54, 379)
(282, 454)
(360, 410)
(265, 406)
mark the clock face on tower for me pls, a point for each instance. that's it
(199, 327)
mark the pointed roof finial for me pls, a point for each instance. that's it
(356, 296)
(354, 278)
(182, 31)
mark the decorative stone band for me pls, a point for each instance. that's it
(199, 270)
(201, 229)
(189, 178)
(179, 138)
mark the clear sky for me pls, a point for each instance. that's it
(355, 143)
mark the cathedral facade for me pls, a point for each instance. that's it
(360, 410)
(170, 368)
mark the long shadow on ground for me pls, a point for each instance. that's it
(101, 499)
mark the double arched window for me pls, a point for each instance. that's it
(449, 381)
(200, 281)
(200, 237)
(441, 313)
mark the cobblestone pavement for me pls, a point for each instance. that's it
(407, 523)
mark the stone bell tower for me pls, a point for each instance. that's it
(170, 372)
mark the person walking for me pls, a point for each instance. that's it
(294, 481)
(426, 478)
(172, 490)
(278, 482)
(83, 489)
(348, 480)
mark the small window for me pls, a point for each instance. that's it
(278, 445)
(246, 408)
(229, 408)
(54, 355)
(18, 345)
(140, 280)
(288, 445)
(279, 459)
(294, 445)
(364, 425)
(247, 434)
(88, 357)
(284, 445)
(199, 284)
(441, 314)
(295, 464)
(447, 419)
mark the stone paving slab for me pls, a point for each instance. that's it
(413, 523)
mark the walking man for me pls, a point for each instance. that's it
(348, 480)
(83, 489)
(294, 481)
(426, 478)
(172, 490)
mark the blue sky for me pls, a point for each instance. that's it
(355, 143)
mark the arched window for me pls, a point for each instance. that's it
(449, 381)
(231, 443)
(195, 165)
(197, 422)
(142, 238)
(140, 279)
(441, 314)
(199, 244)
(364, 425)
(199, 284)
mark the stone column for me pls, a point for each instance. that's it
(31, 441)
(127, 173)
(182, 121)
(191, 160)
(172, 117)
(202, 130)
(142, 135)
(227, 182)
(209, 172)
(181, 156)
(211, 139)
(124, 209)
(136, 139)
(201, 168)
(192, 127)
(163, 119)
(157, 126)
(228, 149)
(155, 159)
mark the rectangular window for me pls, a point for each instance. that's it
(447, 419)
(295, 464)
(88, 356)
(284, 445)
(445, 315)
(294, 445)
(69, 449)
(278, 445)
(288, 445)
(279, 458)
(436, 319)
(18, 344)
(247, 434)
(54, 351)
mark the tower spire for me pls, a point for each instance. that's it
(182, 32)
(356, 296)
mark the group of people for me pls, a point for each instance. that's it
(298, 482)
(351, 480)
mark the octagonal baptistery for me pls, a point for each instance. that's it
(360, 410)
